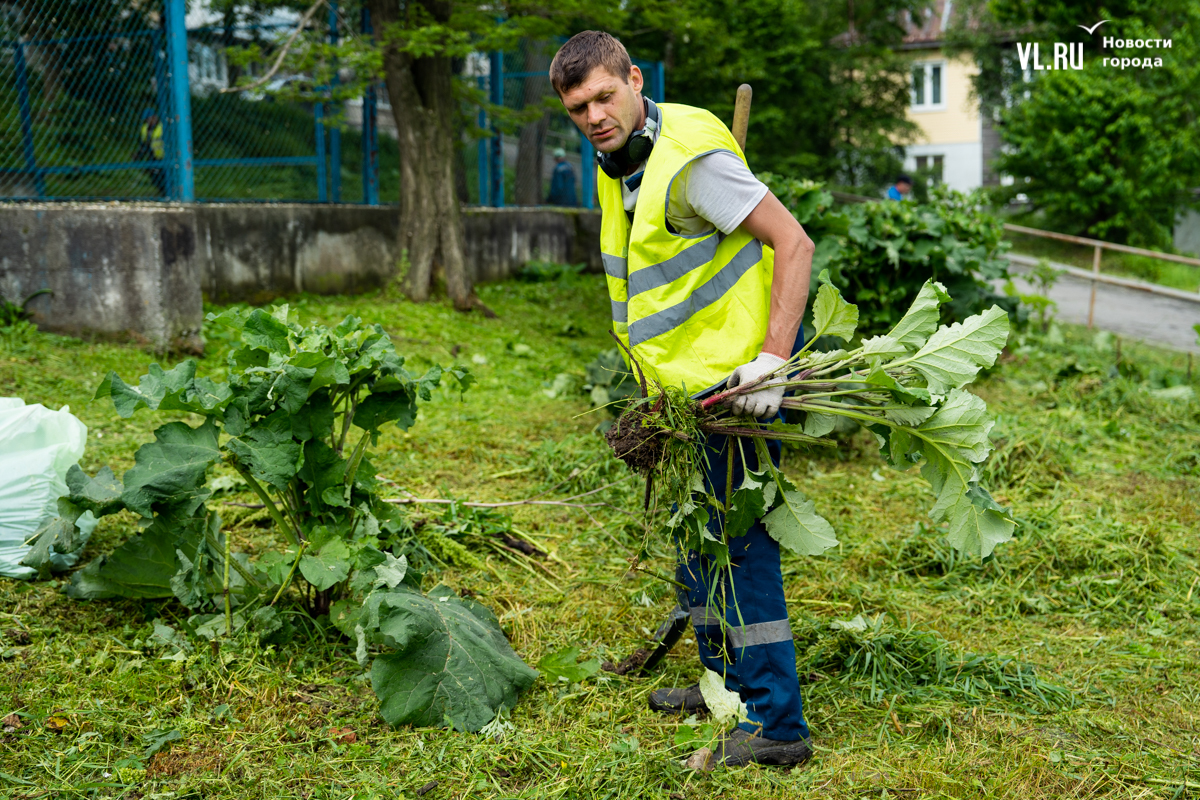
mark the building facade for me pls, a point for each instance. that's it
(956, 143)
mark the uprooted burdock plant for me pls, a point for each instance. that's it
(296, 420)
(906, 387)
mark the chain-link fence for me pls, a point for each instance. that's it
(73, 87)
(129, 100)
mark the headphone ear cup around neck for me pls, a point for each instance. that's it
(639, 147)
(613, 164)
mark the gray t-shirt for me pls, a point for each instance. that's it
(715, 190)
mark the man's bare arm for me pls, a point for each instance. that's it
(774, 226)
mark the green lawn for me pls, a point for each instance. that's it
(1067, 666)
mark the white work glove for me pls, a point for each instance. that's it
(763, 402)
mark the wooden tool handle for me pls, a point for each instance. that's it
(741, 114)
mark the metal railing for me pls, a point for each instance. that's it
(121, 101)
(1098, 247)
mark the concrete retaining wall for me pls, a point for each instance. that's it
(141, 270)
(255, 253)
(113, 272)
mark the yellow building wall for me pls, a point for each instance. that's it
(959, 122)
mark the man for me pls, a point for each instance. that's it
(562, 181)
(901, 189)
(150, 148)
(708, 276)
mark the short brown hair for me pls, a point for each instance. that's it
(582, 53)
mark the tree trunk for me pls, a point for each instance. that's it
(422, 98)
(532, 144)
(232, 71)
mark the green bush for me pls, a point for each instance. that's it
(880, 254)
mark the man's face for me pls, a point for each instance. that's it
(606, 108)
(903, 187)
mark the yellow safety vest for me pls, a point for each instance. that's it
(691, 308)
(154, 139)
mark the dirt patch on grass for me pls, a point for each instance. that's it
(635, 443)
(179, 762)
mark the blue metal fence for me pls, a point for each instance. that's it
(103, 100)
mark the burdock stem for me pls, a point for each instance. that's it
(228, 607)
(268, 503)
(632, 360)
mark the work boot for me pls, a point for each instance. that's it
(678, 701)
(740, 747)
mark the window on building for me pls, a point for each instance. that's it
(931, 167)
(927, 90)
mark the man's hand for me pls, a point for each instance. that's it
(762, 402)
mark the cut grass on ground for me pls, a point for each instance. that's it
(1067, 666)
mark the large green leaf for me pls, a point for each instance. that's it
(882, 347)
(749, 502)
(911, 416)
(324, 472)
(171, 470)
(818, 424)
(54, 539)
(269, 452)
(832, 315)
(66, 534)
(264, 331)
(329, 566)
(168, 558)
(954, 355)
(796, 525)
(953, 440)
(142, 567)
(922, 318)
(961, 423)
(978, 523)
(176, 389)
(101, 495)
(450, 660)
(380, 408)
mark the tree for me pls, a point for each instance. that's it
(1121, 157)
(532, 142)
(830, 91)
(419, 49)
(1104, 151)
(420, 85)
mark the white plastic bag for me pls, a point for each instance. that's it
(37, 447)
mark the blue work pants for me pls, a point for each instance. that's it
(754, 650)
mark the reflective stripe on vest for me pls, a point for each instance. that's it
(691, 309)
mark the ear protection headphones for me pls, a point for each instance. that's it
(636, 148)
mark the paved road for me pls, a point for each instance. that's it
(1128, 312)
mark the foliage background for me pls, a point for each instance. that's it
(1124, 144)
(830, 94)
(880, 254)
